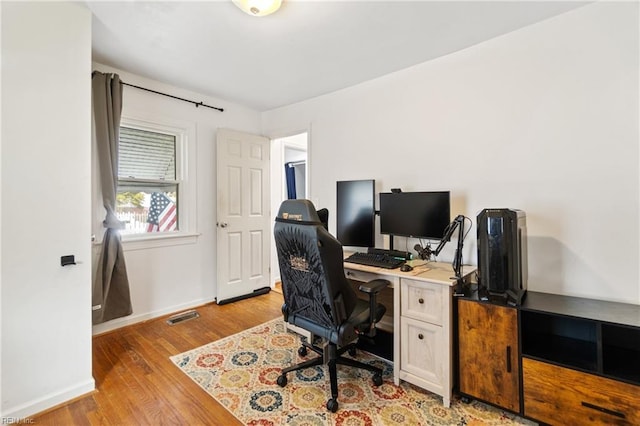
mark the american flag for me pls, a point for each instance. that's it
(162, 214)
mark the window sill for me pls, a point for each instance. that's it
(143, 242)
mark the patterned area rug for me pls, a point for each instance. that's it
(240, 372)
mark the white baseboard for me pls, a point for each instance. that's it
(38, 405)
(135, 318)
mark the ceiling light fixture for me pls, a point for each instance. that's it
(258, 7)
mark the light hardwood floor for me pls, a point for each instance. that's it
(136, 382)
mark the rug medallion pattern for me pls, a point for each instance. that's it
(240, 372)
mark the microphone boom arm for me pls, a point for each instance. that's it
(458, 222)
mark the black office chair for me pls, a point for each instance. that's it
(317, 296)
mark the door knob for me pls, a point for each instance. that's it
(223, 225)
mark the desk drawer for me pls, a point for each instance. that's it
(422, 300)
(558, 395)
(421, 352)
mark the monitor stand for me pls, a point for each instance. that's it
(405, 255)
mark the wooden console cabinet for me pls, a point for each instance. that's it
(488, 353)
(579, 358)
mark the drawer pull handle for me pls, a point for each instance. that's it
(420, 336)
(421, 301)
(508, 359)
(603, 410)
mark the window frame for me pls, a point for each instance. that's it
(184, 133)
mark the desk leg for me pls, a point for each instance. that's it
(302, 332)
(446, 402)
(396, 331)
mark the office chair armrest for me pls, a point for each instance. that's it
(374, 286)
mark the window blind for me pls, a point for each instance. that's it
(146, 155)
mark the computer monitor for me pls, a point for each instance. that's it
(355, 213)
(415, 214)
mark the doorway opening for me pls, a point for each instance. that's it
(289, 179)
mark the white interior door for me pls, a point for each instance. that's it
(244, 220)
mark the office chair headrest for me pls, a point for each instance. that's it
(323, 214)
(298, 211)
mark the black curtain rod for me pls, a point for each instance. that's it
(197, 104)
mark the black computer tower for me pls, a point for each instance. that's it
(502, 254)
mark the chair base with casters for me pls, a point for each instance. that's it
(333, 356)
(329, 353)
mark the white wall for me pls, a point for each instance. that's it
(171, 278)
(544, 119)
(45, 204)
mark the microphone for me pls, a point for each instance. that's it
(424, 253)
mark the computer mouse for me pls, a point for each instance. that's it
(406, 268)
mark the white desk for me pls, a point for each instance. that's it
(422, 322)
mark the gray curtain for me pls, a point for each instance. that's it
(111, 297)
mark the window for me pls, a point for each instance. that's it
(149, 180)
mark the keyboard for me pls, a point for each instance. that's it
(375, 259)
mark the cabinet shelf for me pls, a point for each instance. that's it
(561, 350)
(621, 352)
(622, 364)
(562, 340)
(581, 334)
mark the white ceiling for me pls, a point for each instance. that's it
(306, 49)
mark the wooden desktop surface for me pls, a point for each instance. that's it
(423, 270)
